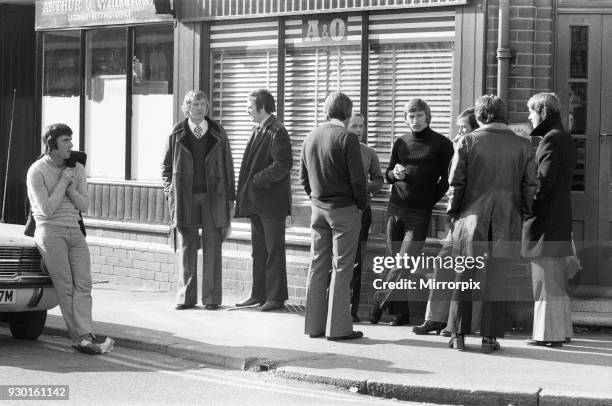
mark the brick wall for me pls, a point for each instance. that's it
(532, 41)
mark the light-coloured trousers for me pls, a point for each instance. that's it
(552, 316)
(66, 256)
(334, 234)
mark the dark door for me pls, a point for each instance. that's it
(584, 88)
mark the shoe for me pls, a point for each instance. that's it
(87, 345)
(446, 333)
(355, 318)
(316, 335)
(538, 343)
(457, 342)
(556, 344)
(398, 320)
(375, 313)
(489, 344)
(251, 302)
(428, 326)
(183, 307)
(272, 305)
(211, 307)
(352, 336)
(105, 345)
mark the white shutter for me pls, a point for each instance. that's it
(244, 58)
(311, 73)
(411, 55)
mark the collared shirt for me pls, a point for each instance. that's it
(262, 122)
(203, 125)
(337, 122)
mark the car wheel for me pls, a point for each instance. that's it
(28, 325)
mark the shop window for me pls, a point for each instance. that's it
(397, 74)
(310, 75)
(61, 84)
(105, 102)
(152, 99)
(244, 58)
(235, 74)
(323, 55)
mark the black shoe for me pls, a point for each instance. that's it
(428, 326)
(375, 313)
(457, 342)
(355, 318)
(489, 344)
(398, 320)
(272, 305)
(555, 344)
(211, 307)
(251, 302)
(183, 307)
(316, 335)
(352, 336)
(536, 342)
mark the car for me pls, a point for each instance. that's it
(26, 290)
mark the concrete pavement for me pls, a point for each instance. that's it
(389, 361)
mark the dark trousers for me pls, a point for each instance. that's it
(269, 261)
(188, 244)
(492, 294)
(406, 233)
(366, 221)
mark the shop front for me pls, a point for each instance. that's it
(381, 54)
(118, 78)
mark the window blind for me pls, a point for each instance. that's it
(244, 58)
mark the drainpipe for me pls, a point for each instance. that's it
(504, 53)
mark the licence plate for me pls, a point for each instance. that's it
(8, 296)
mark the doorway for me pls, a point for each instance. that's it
(583, 83)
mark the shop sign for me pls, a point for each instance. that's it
(332, 32)
(52, 14)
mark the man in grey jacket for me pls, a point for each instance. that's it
(198, 177)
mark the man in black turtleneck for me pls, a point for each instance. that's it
(418, 171)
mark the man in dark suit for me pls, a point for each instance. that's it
(264, 196)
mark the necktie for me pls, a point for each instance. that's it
(198, 132)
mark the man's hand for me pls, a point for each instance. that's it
(399, 172)
(68, 174)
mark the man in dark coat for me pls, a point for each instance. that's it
(264, 196)
(198, 178)
(492, 180)
(547, 233)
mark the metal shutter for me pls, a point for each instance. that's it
(244, 57)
